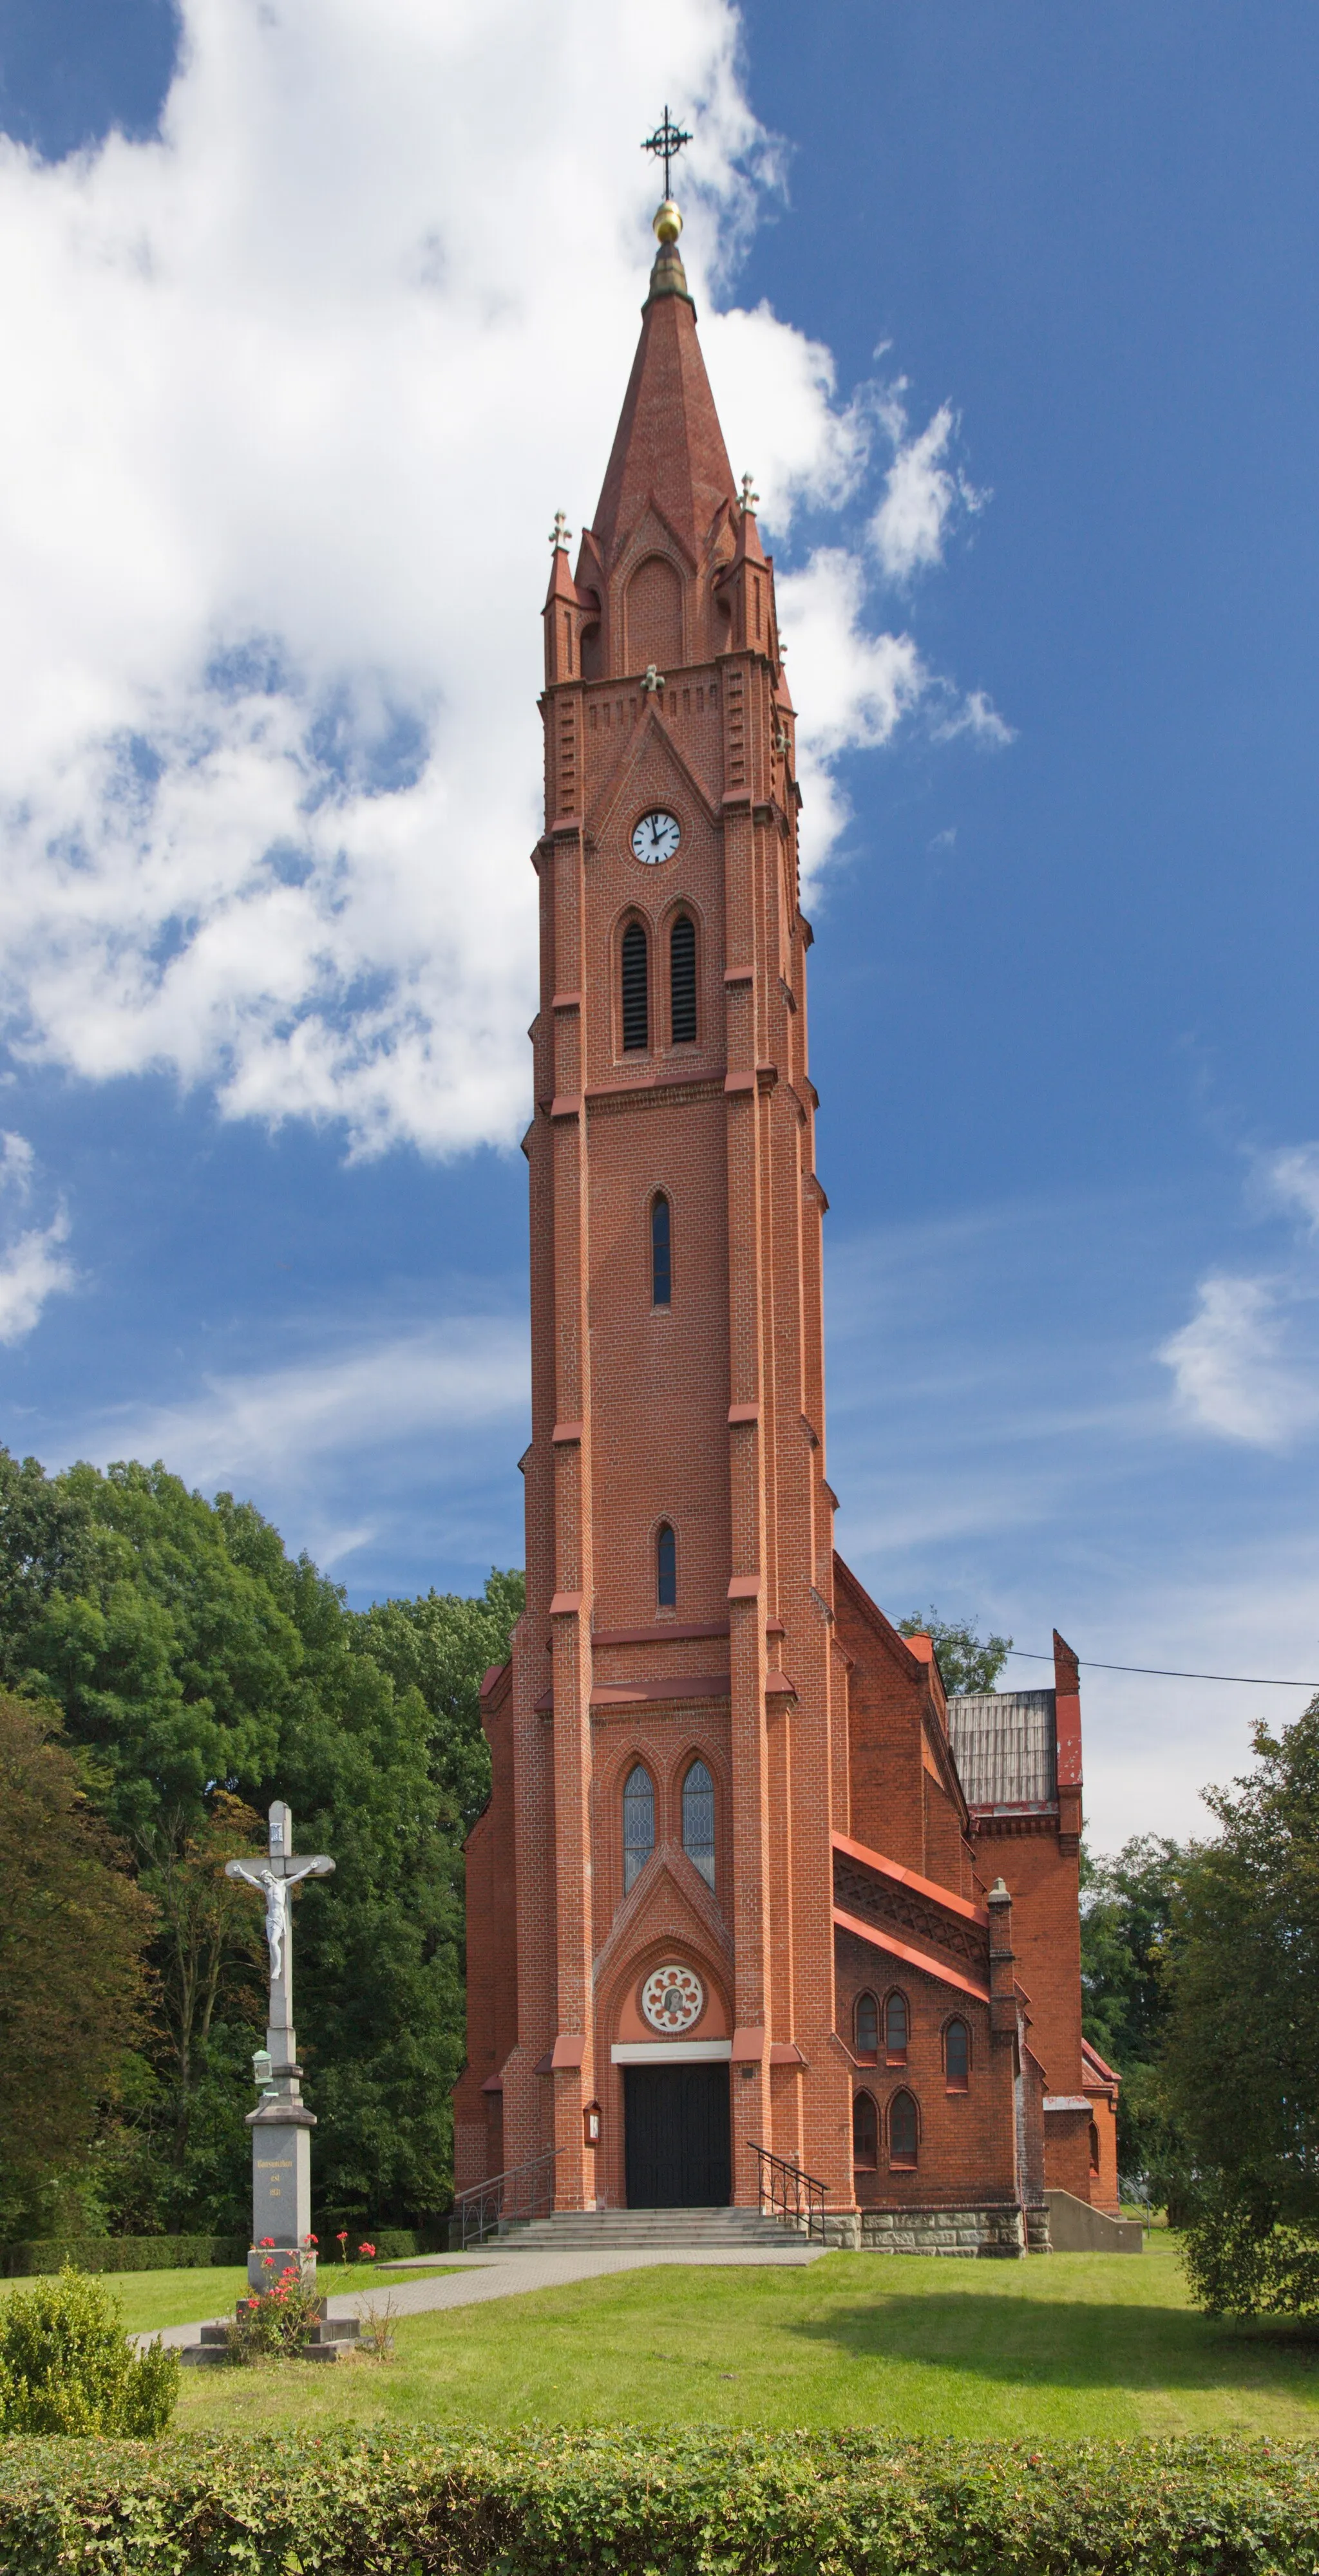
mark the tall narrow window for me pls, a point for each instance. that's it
(666, 1568)
(682, 979)
(698, 1820)
(867, 2026)
(661, 1252)
(865, 2133)
(636, 1005)
(957, 2057)
(638, 1823)
(902, 2130)
(895, 2029)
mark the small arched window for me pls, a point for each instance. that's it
(895, 2029)
(666, 1568)
(957, 2057)
(698, 1820)
(867, 2026)
(636, 1000)
(638, 1823)
(661, 1252)
(865, 2133)
(682, 980)
(1094, 2147)
(902, 2131)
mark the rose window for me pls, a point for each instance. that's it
(673, 1999)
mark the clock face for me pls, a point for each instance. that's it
(656, 837)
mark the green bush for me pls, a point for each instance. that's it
(691, 2504)
(120, 2254)
(66, 2365)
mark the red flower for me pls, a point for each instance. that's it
(311, 2240)
(342, 2238)
(366, 2249)
(266, 2240)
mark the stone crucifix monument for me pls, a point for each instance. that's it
(281, 2123)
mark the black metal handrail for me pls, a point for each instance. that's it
(788, 2193)
(525, 2191)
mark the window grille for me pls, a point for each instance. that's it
(902, 2130)
(957, 2056)
(698, 1820)
(638, 1823)
(865, 2133)
(666, 1568)
(895, 2030)
(867, 2026)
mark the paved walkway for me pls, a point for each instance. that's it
(506, 2276)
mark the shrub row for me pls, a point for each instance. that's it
(189, 2253)
(699, 2504)
(121, 2253)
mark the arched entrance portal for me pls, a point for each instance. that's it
(677, 2136)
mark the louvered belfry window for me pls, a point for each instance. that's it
(638, 1823)
(636, 1007)
(682, 979)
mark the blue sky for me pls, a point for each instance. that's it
(296, 418)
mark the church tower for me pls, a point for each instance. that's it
(670, 1711)
(723, 1904)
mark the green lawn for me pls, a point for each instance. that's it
(150, 2299)
(1062, 2345)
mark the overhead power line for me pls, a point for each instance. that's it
(1169, 1672)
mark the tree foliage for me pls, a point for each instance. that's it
(1241, 2059)
(1128, 1935)
(201, 1672)
(966, 1661)
(73, 1929)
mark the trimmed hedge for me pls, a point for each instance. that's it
(121, 2253)
(632, 2504)
(192, 2253)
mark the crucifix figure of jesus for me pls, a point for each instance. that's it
(274, 1878)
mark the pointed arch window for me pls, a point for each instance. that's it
(897, 2025)
(666, 1567)
(661, 1251)
(638, 1823)
(636, 999)
(682, 980)
(867, 2026)
(865, 2132)
(903, 2132)
(698, 1820)
(957, 2056)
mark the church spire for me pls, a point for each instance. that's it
(669, 447)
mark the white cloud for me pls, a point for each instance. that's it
(922, 492)
(291, 395)
(32, 1267)
(853, 689)
(1292, 1179)
(1246, 1366)
(357, 1402)
(1230, 1364)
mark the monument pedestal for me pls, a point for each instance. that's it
(281, 2127)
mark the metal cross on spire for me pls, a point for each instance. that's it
(666, 143)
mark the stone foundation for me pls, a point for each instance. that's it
(970, 2232)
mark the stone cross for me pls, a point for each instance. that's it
(281, 2123)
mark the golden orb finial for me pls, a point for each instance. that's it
(668, 222)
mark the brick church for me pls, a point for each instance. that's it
(750, 1886)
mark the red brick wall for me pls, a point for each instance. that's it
(707, 1414)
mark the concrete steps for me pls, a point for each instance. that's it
(603, 2230)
